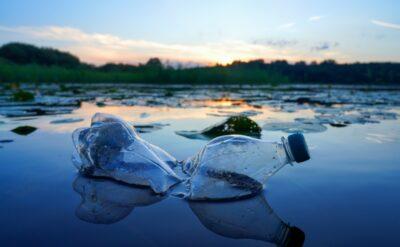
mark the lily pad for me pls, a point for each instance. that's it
(294, 127)
(23, 96)
(144, 115)
(66, 120)
(6, 141)
(24, 130)
(150, 127)
(248, 113)
(344, 120)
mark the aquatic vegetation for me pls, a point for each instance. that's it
(144, 115)
(248, 113)
(23, 96)
(6, 140)
(66, 120)
(233, 125)
(150, 127)
(297, 126)
(336, 106)
(24, 130)
(32, 110)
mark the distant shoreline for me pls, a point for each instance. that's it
(28, 63)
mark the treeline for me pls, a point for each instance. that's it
(28, 63)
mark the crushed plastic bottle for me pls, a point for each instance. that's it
(112, 148)
(235, 166)
(231, 166)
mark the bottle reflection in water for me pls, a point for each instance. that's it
(251, 218)
(105, 201)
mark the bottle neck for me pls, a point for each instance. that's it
(286, 147)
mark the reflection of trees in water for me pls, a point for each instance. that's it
(106, 202)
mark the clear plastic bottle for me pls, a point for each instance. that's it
(235, 166)
(110, 147)
(230, 166)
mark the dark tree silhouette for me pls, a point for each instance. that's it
(66, 67)
(27, 54)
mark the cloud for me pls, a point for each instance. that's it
(386, 24)
(287, 25)
(316, 18)
(280, 43)
(324, 46)
(99, 48)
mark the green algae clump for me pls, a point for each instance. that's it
(23, 96)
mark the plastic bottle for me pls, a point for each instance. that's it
(110, 147)
(230, 166)
(236, 166)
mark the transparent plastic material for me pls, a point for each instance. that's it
(112, 148)
(230, 166)
(234, 166)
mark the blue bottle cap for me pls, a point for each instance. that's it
(298, 147)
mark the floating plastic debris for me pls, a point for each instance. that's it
(230, 166)
(67, 120)
(233, 125)
(112, 148)
(235, 166)
(24, 130)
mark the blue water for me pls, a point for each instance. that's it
(346, 195)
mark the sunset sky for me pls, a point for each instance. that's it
(207, 31)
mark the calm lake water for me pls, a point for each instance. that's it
(348, 194)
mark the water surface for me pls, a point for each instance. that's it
(346, 195)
